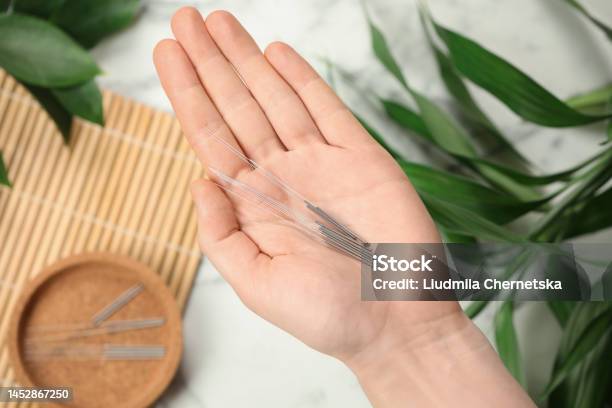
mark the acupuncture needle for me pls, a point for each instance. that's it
(106, 351)
(341, 239)
(335, 234)
(273, 206)
(261, 198)
(117, 304)
(332, 237)
(72, 327)
(276, 180)
(260, 195)
(348, 251)
(266, 205)
(116, 352)
(273, 210)
(254, 165)
(332, 221)
(361, 254)
(118, 326)
(69, 348)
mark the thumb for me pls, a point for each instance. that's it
(232, 252)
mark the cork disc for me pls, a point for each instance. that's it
(68, 294)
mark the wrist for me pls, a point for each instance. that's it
(444, 362)
(415, 344)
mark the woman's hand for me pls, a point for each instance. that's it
(276, 109)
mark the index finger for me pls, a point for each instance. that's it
(199, 118)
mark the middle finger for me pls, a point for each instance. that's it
(231, 97)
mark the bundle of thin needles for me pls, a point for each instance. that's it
(105, 351)
(70, 332)
(323, 228)
(54, 341)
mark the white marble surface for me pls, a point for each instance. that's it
(232, 357)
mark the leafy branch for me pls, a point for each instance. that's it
(484, 201)
(43, 45)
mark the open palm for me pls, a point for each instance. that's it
(280, 113)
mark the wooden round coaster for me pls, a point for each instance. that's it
(68, 294)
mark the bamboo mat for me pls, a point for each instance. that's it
(123, 188)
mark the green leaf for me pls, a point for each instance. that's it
(457, 88)
(598, 175)
(507, 342)
(452, 237)
(587, 385)
(605, 29)
(493, 205)
(4, 5)
(562, 310)
(595, 380)
(475, 307)
(595, 215)
(609, 126)
(41, 8)
(586, 341)
(38, 53)
(582, 315)
(60, 115)
(596, 99)
(412, 121)
(89, 21)
(443, 129)
(511, 86)
(406, 118)
(445, 132)
(452, 138)
(439, 126)
(559, 263)
(528, 179)
(383, 53)
(465, 222)
(568, 393)
(4, 180)
(606, 281)
(84, 100)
